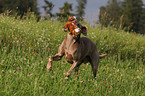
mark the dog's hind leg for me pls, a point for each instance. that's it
(94, 62)
(76, 68)
(75, 64)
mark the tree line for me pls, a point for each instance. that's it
(20, 7)
(66, 10)
(128, 15)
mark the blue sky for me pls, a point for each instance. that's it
(91, 11)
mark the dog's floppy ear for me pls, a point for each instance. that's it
(65, 29)
(84, 30)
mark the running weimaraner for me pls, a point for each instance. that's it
(77, 50)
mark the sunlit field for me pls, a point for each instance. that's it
(25, 46)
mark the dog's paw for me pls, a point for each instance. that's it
(49, 68)
(66, 74)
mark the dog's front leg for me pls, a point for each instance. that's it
(49, 65)
(54, 58)
(71, 69)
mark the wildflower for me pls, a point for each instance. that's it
(76, 75)
(52, 77)
(95, 89)
(18, 68)
(5, 84)
(111, 87)
(87, 91)
(3, 71)
(66, 77)
(117, 70)
(24, 58)
(41, 88)
(134, 83)
(29, 74)
(2, 61)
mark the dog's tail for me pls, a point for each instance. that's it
(103, 55)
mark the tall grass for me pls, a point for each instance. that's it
(35, 36)
(26, 45)
(117, 42)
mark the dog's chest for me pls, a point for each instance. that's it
(69, 57)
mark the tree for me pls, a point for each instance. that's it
(132, 10)
(48, 8)
(110, 15)
(142, 22)
(20, 6)
(114, 11)
(103, 16)
(127, 15)
(80, 8)
(65, 11)
(2, 4)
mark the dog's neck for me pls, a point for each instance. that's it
(72, 40)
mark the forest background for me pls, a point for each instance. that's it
(128, 15)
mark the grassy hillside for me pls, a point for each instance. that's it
(25, 46)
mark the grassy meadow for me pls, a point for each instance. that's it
(25, 46)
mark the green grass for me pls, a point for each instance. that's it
(26, 46)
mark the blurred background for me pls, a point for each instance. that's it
(128, 15)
